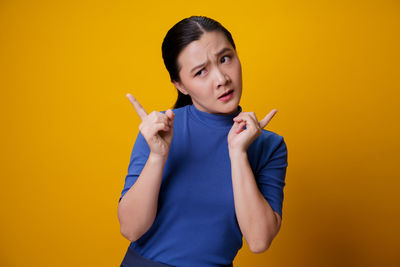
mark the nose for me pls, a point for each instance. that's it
(220, 77)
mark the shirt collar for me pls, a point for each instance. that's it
(214, 120)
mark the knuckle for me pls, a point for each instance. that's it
(165, 119)
(153, 114)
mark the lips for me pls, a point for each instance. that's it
(226, 93)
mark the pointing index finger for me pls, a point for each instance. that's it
(267, 118)
(136, 105)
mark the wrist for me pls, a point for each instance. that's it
(157, 158)
(237, 154)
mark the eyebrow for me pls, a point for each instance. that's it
(223, 50)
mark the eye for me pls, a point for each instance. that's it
(226, 56)
(199, 72)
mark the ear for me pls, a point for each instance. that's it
(180, 87)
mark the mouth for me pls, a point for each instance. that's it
(226, 94)
(225, 97)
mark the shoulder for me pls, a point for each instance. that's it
(268, 152)
(270, 138)
(177, 111)
(267, 144)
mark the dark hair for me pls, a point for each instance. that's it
(178, 37)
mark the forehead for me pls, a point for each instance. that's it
(201, 50)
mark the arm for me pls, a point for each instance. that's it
(138, 208)
(257, 221)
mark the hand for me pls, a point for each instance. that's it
(239, 139)
(156, 127)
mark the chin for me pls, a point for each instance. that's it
(230, 107)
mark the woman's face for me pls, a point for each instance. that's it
(210, 68)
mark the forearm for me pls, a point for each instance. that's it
(256, 218)
(138, 208)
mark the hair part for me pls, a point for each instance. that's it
(178, 37)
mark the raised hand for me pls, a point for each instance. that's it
(239, 139)
(156, 127)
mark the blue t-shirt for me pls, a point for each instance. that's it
(196, 223)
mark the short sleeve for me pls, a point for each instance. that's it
(271, 176)
(139, 156)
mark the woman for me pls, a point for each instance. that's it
(204, 173)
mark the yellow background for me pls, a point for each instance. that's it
(331, 68)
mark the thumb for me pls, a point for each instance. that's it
(170, 114)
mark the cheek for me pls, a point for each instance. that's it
(200, 88)
(239, 67)
(237, 74)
